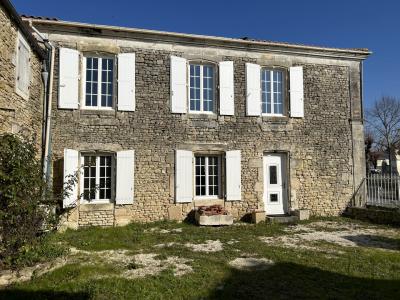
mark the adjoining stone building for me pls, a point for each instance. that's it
(161, 123)
(21, 86)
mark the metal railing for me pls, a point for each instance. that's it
(378, 190)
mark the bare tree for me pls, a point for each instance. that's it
(383, 123)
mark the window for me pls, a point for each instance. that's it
(97, 177)
(99, 82)
(202, 88)
(23, 67)
(273, 179)
(207, 173)
(272, 88)
(273, 197)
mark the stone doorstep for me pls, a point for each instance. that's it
(294, 216)
(284, 219)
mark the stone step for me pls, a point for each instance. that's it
(284, 219)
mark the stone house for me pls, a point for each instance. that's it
(158, 123)
(21, 85)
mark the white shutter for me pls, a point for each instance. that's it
(233, 175)
(296, 92)
(70, 169)
(253, 89)
(178, 85)
(126, 81)
(125, 177)
(226, 89)
(23, 65)
(68, 83)
(183, 176)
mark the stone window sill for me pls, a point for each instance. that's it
(91, 112)
(205, 202)
(95, 206)
(202, 116)
(276, 120)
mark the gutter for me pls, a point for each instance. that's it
(48, 103)
(164, 36)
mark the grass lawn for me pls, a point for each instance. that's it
(325, 259)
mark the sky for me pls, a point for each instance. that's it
(345, 24)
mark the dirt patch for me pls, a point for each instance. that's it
(8, 277)
(130, 266)
(148, 264)
(159, 230)
(251, 263)
(231, 242)
(139, 265)
(341, 234)
(166, 245)
(208, 246)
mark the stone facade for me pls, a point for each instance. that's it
(325, 163)
(18, 114)
(96, 215)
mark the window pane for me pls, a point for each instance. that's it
(200, 175)
(105, 177)
(208, 88)
(213, 175)
(91, 81)
(273, 197)
(266, 91)
(273, 178)
(107, 82)
(88, 75)
(203, 190)
(278, 92)
(89, 177)
(194, 87)
(92, 189)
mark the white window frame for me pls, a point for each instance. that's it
(81, 178)
(21, 40)
(284, 96)
(99, 82)
(202, 111)
(207, 196)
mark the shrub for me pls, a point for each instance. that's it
(24, 199)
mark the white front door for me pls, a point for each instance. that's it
(275, 199)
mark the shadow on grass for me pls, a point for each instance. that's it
(375, 241)
(292, 281)
(11, 294)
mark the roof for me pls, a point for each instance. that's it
(56, 25)
(306, 45)
(23, 28)
(39, 17)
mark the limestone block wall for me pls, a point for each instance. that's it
(96, 215)
(18, 115)
(319, 146)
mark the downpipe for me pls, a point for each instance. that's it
(47, 77)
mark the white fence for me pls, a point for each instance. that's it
(378, 190)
